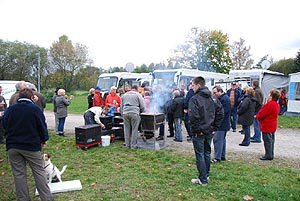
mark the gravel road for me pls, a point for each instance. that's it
(287, 144)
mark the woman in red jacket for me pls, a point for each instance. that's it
(268, 116)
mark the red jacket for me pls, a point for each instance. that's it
(98, 100)
(110, 98)
(267, 116)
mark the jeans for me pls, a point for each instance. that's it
(233, 118)
(246, 139)
(187, 123)
(61, 125)
(219, 141)
(257, 132)
(178, 131)
(89, 118)
(202, 150)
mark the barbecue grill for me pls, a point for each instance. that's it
(150, 122)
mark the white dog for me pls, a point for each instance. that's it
(52, 172)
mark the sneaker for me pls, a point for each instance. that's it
(159, 138)
(197, 181)
(215, 161)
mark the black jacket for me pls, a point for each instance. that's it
(205, 112)
(246, 111)
(177, 107)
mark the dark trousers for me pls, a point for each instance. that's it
(171, 124)
(269, 140)
(187, 123)
(89, 118)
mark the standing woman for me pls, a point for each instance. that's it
(268, 116)
(246, 111)
(62, 104)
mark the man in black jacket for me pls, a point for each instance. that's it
(205, 114)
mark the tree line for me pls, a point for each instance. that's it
(67, 64)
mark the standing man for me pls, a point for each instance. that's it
(260, 98)
(187, 98)
(219, 139)
(132, 105)
(234, 95)
(206, 114)
(19, 86)
(27, 133)
(3, 107)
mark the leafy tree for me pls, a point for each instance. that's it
(87, 77)
(297, 63)
(240, 55)
(284, 66)
(204, 50)
(67, 59)
(218, 52)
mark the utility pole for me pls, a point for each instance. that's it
(39, 72)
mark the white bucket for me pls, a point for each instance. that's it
(105, 140)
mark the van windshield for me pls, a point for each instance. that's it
(106, 82)
(163, 78)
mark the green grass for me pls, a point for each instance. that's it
(117, 173)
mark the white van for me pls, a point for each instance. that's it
(120, 79)
(8, 89)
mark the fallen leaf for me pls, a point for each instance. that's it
(264, 182)
(172, 183)
(2, 173)
(94, 184)
(248, 197)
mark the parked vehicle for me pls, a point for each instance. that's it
(120, 79)
(182, 77)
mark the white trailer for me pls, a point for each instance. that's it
(267, 79)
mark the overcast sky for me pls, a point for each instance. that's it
(144, 31)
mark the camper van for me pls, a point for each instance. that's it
(267, 79)
(182, 77)
(8, 89)
(120, 79)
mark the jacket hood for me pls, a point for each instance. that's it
(204, 91)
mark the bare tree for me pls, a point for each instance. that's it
(240, 55)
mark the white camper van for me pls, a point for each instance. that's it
(182, 77)
(120, 79)
(8, 89)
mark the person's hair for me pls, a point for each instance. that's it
(250, 91)
(199, 80)
(176, 93)
(26, 93)
(255, 83)
(218, 88)
(245, 87)
(91, 90)
(21, 85)
(147, 93)
(61, 92)
(275, 94)
(121, 90)
(135, 87)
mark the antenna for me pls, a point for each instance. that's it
(265, 64)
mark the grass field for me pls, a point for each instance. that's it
(116, 173)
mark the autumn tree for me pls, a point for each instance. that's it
(67, 59)
(204, 50)
(240, 55)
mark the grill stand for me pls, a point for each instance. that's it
(151, 143)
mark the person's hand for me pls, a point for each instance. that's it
(185, 110)
(43, 144)
(102, 125)
(71, 97)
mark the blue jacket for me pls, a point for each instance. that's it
(225, 101)
(25, 126)
(188, 96)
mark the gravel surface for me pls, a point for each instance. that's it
(287, 144)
